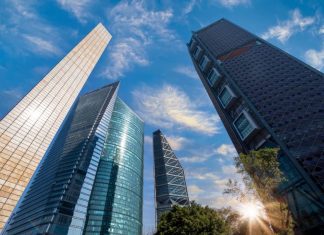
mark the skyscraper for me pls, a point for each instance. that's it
(170, 182)
(28, 129)
(267, 98)
(91, 180)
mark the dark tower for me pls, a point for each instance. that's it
(267, 98)
(170, 182)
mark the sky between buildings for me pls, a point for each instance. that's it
(148, 54)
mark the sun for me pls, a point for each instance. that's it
(250, 211)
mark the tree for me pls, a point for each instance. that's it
(262, 176)
(192, 220)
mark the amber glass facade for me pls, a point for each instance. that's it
(28, 129)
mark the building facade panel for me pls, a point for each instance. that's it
(28, 129)
(275, 101)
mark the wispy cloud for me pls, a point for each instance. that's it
(198, 156)
(194, 191)
(177, 142)
(189, 7)
(25, 31)
(233, 3)
(170, 107)
(321, 30)
(79, 8)
(315, 58)
(285, 29)
(148, 139)
(226, 150)
(135, 28)
(41, 45)
(188, 71)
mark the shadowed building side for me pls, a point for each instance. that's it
(170, 182)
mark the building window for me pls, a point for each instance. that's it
(204, 63)
(226, 96)
(244, 125)
(192, 43)
(213, 77)
(197, 52)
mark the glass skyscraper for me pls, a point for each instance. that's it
(267, 98)
(28, 129)
(170, 182)
(91, 180)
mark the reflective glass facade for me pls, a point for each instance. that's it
(28, 129)
(115, 205)
(57, 200)
(170, 182)
(279, 103)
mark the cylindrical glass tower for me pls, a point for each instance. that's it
(115, 205)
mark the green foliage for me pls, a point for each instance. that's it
(192, 220)
(260, 170)
(261, 174)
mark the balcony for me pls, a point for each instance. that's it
(226, 96)
(245, 125)
(204, 63)
(213, 77)
(197, 52)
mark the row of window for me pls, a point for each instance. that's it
(244, 123)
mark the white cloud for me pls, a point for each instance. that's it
(148, 139)
(285, 29)
(321, 30)
(189, 7)
(226, 150)
(233, 3)
(195, 158)
(79, 8)
(177, 142)
(169, 107)
(41, 45)
(26, 31)
(124, 55)
(134, 28)
(188, 71)
(229, 169)
(194, 191)
(315, 58)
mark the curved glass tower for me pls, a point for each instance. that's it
(116, 199)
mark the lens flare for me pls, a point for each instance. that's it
(250, 211)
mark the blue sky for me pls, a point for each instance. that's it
(148, 54)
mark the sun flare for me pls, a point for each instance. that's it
(250, 211)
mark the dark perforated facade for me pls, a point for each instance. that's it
(267, 98)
